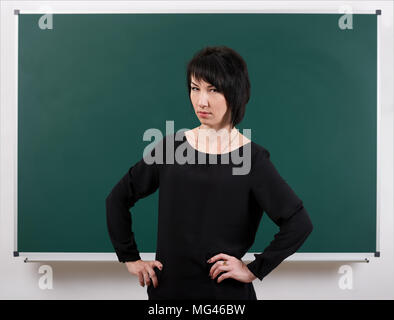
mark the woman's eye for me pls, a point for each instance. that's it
(192, 88)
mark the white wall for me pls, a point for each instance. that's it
(110, 280)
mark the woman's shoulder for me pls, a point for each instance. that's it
(260, 151)
(260, 155)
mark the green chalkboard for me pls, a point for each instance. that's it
(91, 86)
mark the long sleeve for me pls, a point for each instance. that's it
(285, 209)
(141, 180)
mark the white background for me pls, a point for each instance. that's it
(111, 280)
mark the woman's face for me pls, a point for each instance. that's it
(209, 105)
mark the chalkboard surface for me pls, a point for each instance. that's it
(91, 86)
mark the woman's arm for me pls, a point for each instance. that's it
(292, 234)
(141, 180)
(285, 209)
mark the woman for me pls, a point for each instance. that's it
(208, 217)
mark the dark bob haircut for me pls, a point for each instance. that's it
(227, 71)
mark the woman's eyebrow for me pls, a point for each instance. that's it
(197, 85)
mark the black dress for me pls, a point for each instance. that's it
(205, 209)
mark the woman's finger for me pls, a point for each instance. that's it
(220, 256)
(217, 264)
(157, 264)
(153, 277)
(141, 278)
(224, 276)
(146, 277)
(218, 268)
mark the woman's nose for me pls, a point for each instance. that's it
(203, 100)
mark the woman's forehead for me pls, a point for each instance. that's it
(200, 82)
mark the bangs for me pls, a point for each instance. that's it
(209, 69)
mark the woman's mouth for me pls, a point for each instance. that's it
(204, 114)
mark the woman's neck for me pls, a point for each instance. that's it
(211, 140)
(216, 128)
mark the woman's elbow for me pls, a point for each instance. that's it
(309, 228)
(308, 225)
(303, 222)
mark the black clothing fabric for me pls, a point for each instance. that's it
(205, 210)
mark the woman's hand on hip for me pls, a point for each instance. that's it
(232, 268)
(144, 271)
